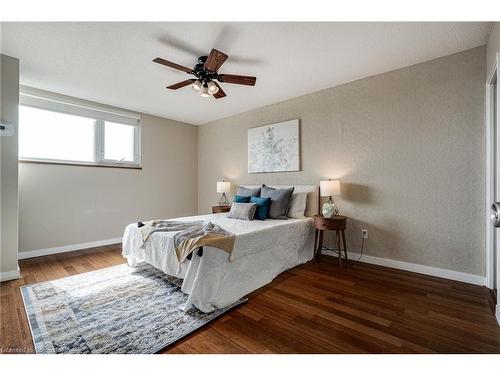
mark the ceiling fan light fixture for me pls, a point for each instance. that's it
(212, 88)
(197, 85)
(205, 70)
(204, 92)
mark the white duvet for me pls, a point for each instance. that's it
(262, 250)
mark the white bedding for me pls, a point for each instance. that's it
(262, 250)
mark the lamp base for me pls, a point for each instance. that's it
(329, 209)
(223, 200)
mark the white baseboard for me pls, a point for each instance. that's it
(10, 275)
(418, 268)
(66, 248)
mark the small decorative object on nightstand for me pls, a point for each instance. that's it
(220, 209)
(335, 223)
(223, 187)
(328, 189)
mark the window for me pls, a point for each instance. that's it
(53, 131)
(118, 142)
(55, 136)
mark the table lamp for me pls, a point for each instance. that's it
(329, 188)
(223, 187)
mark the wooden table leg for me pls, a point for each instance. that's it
(345, 248)
(339, 251)
(320, 242)
(315, 248)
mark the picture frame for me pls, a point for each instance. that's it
(274, 148)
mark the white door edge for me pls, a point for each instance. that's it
(490, 173)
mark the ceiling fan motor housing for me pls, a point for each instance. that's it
(202, 60)
(199, 71)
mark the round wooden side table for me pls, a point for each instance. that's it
(336, 223)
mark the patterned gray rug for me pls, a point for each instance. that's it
(113, 310)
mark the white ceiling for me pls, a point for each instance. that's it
(111, 63)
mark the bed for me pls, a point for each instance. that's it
(262, 250)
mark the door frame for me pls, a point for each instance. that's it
(490, 169)
(490, 177)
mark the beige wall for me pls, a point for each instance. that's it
(66, 205)
(407, 145)
(9, 104)
(493, 46)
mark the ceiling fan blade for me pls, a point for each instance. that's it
(170, 64)
(240, 80)
(178, 85)
(215, 60)
(220, 93)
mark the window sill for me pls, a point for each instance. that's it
(79, 164)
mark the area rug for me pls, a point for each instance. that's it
(114, 310)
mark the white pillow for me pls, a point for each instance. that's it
(298, 205)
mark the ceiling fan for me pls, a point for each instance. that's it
(205, 72)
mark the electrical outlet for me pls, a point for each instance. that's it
(364, 233)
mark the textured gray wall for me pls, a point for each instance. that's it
(408, 146)
(64, 205)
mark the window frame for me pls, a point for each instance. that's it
(100, 141)
(39, 99)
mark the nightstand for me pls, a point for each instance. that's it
(335, 223)
(220, 209)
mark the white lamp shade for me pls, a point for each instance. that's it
(329, 188)
(204, 92)
(223, 187)
(197, 85)
(212, 88)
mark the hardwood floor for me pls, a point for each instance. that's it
(309, 309)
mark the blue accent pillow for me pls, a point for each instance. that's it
(263, 205)
(241, 199)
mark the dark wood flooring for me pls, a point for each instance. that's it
(309, 309)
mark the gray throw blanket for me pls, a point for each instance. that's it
(190, 236)
(150, 227)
